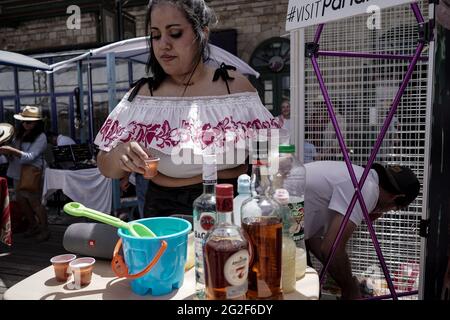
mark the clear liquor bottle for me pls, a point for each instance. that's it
(263, 224)
(226, 253)
(204, 217)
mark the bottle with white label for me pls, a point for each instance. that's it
(292, 173)
(204, 216)
(243, 194)
(226, 253)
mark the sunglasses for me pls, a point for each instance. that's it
(28, 122)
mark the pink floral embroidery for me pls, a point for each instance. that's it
(200, 134)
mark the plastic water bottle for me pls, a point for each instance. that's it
(243, 194)
(292, 177)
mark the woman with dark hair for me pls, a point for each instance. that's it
(27, 148)
(184, 110)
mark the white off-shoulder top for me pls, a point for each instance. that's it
(179, 130)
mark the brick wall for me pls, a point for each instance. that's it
(48, 33)
(255, 21)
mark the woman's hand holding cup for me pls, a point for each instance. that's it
(133, 158)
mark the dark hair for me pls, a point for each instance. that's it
(35, 132)
(199, 16)
(384, 183)
(284, 99)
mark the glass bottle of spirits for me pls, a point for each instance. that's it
(226, 252)
(243, 194)
(288, 279)
(263, 225)
(204, 217)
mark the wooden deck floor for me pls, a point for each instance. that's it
(26, 256)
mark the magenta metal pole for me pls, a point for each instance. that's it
(368, 55)
(318, 33)
(392, 112)
(415, 8)
(399, 294)
(357, 190)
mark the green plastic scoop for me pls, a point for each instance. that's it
(136, 229)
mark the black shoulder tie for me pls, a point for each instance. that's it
(137, 86)
(222, 72)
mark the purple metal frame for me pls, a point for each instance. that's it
(359, 185)
(368, 55)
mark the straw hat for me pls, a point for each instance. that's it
(6, 132)
(29, 114)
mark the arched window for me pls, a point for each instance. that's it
(272, 60)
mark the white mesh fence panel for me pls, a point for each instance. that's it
(362, 91)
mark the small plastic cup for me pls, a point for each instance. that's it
(151, 168)
(82, 271)
(61, 264)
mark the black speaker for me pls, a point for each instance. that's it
(91, 239)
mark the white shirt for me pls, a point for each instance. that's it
(329, 189)
(178, 130)
(64, 140)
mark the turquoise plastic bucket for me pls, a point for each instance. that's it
(168, 273)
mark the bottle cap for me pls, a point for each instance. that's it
(224, 198)
(282, 196)
(244, 184)
(224, 190)
(289, 148)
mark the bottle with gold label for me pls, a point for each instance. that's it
(226, 252)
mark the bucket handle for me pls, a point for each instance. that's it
(120, 268)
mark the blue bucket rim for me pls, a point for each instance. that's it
(186, 230)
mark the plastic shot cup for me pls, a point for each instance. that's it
(82, 271)
(151, 168)
(61, 264)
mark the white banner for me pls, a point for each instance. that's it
(304, 13)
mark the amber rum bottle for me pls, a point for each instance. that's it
(226, 252)
(262, 223)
